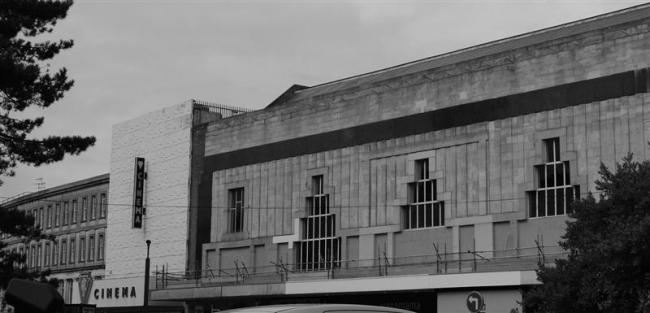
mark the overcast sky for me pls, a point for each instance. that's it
(133, 57)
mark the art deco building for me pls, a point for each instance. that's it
(427, 185)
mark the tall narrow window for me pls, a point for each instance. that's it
(55, 252)
(100, 247)
(39, 255)
(64, 251)
(84, 209)
(82, 249)
(319, 248)
(57, 214)
(47, 254)
(66, 213)
(102, 205)
(554, 192)
(91, 248)
(236, 210)
(33, 257)
(93, 207)
(74, 212)
(73, 246)
(21, 251)
(48, 218)
(41, 218)
(424, 210)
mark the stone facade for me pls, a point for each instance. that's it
(163, 138)
(488, 123)
(483, 170)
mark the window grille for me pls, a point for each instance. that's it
(554, 192)
(319, 248)
(236, 210)
(424, 210)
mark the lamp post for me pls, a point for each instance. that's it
(146, 279)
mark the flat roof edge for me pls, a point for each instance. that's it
(498, 46)
(53, 191)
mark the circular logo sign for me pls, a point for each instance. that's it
(475, 302)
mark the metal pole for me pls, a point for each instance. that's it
(146, 279)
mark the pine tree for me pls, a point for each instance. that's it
(26, 81)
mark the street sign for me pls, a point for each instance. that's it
(138, 192)
(475, 302)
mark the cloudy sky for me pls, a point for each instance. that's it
(133, 57)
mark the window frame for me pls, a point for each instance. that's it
(64, 252)
(236, 210)
(102, 205)
(100, 246)
(319, 248)
(82, 249)
(91, 248)
(72, 251)
(558, 171)
(423, 209)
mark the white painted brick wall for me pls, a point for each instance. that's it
(163, 138)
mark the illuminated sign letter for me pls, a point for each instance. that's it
(138, 192)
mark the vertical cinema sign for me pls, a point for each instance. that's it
(138, 193)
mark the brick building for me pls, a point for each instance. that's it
(414, 185)
(75, 214)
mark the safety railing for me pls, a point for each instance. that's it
(432, 264)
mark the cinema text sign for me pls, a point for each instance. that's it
(138, 193)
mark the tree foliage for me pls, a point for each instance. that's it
(26, 80)
(608, 244)
(21, 227)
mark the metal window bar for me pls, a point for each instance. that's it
(425, 210)
(319, 248)
(236, 210)
(555, 192)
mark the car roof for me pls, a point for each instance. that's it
(314, 308)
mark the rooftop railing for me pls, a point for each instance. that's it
(224, 110)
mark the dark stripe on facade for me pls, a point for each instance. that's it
(586, 91)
